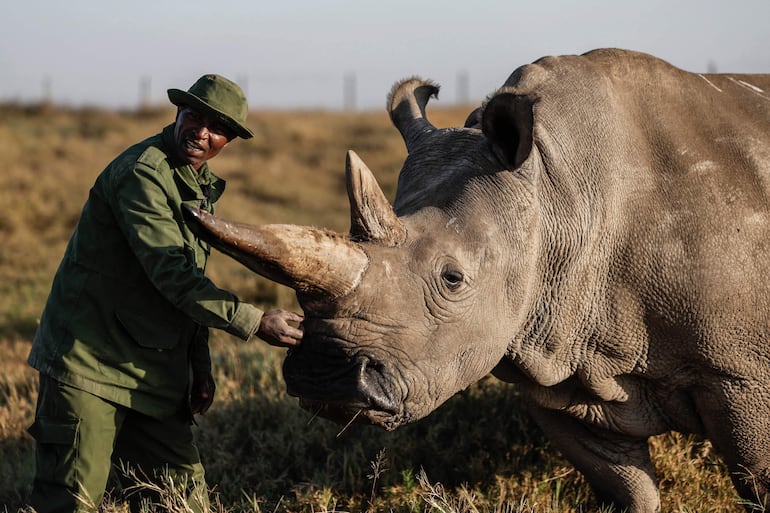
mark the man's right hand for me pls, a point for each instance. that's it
(276, 330)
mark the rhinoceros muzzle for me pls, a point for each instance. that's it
(343, 388)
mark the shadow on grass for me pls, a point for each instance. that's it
(272, 448)
(17, 466)
(18, 329)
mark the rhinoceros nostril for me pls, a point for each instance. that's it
(374, 384)
(373, 366)
(370, 370)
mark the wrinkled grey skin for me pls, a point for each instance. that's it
(598, 233)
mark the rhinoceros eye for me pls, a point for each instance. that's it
(452, 278)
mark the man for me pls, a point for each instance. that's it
(122, 347)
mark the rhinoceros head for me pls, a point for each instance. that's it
(414, 303)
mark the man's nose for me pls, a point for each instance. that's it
(202, 130)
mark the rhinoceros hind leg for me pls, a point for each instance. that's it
(618, 468)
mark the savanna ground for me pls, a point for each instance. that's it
(478, 452)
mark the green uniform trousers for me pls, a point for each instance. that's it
(79, 437)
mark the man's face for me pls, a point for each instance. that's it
(199, 137)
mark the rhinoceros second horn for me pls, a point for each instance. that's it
(371, 215)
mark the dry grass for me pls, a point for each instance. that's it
(479, 452)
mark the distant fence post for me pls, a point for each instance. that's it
(145, 88)
(463, 87)
(349, 91)
(243, 81)
(47, 98)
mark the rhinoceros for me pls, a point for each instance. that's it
(598, 232)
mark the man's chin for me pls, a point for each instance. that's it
(193, 158)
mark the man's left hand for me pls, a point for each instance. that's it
(276, 330)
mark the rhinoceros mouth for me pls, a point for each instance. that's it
(350, 413)
(341, 387)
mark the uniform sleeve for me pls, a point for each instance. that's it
(142, 203)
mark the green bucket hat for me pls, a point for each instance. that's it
(217, 96)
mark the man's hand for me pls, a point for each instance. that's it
(276, 330)
(202, 393)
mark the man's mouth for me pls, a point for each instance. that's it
(191, 146)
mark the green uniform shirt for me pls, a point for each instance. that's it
(129, 309)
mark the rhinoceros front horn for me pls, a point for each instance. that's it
(306, 259)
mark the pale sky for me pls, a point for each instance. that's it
(297, 53)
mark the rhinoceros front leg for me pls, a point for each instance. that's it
(737, 421)
(618, 468)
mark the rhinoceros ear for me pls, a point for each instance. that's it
(474, 119)
(508, 122)
(371, 215)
